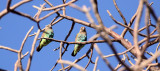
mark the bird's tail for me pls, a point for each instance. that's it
(38, 48)
(74, 53)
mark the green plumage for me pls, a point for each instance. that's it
(80, 37)
(48, 33)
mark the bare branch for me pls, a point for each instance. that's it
(101, 55)
(59, 6)
(124, 20)
(60, 55)
(72, 64)
(145, 63)
(24, 15)
(21, 48)
(32, 51)
(4, 12)
(96, 13)
(95, 66)
(119, 53)
(85, 42)
(129, 28)
(119, 65)
(8, 4)
(10, 49)
(136, 26)
(16, 63)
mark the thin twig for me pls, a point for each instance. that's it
(32, 51)
(77, 60)
(54, 19)
(151, 65)
(131, 22)
(143, 28)
(24, 15)
(129, 28)
(51, 6)
(119, 53)
(129, 60)
(143, 40)
(39, 11)
(88, 15)
(10, 49)
(157, 50)
(89, 61)
(21, 48)
(59, 6)
(101, 55)
(57, 21)
(124, 20)
(49, 14)
(16, 63)
(60, 55)
(119, 65)
(151, 10)
(96, 13)
(96, 62)
(64, 9)
(4, 12)
(72, 64)
(8, 5)
(145, 63)
(158, 27)
(72, 26)
(109, 42)
(77, 7)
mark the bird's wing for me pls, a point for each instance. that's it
(81, 37)
(51, 35)
(76, 37)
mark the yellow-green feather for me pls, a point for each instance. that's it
(80, 37)
(48, 33)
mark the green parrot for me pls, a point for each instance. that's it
(80, 37)
(48, 33)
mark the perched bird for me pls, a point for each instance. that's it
(80, 37)
(48, 33)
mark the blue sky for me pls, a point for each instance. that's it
(15, 27)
